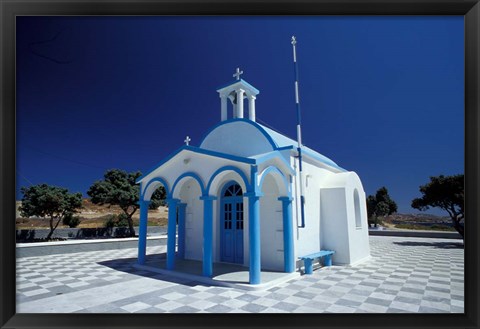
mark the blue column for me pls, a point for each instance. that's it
(142, 231)
(181, 230)
(288, 254)
(171, 232)
(208, 234)
(254, 236)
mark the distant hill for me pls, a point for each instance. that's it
(418, 222)
(419, 218)
(92, 215)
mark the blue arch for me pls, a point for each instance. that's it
(253, 123)
(269, 169)
(153, 180)
(227, 168)
(189, 174)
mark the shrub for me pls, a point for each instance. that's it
(371, 221)
(70, 220)
(110, 221)
(120, 220)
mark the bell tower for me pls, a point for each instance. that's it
(237, 92)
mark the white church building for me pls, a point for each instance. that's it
(236, 198)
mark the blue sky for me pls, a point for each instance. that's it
(381, 96)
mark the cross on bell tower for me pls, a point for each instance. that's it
(238, 73)
(236, 92)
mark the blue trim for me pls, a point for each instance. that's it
(142, 231)
(171, 232)
(226, 168)
(253, 123)
(207, 266)
(302, 197)
(220, 154)
(325, 160)
(189, 174)
(253, 194)
(275, 155)
(208, 197)
(254, 238)
(288, 147)
(197, 150)
(265, 172)
(181, 230)
(153, 180)
(288, 254)
(253, 178)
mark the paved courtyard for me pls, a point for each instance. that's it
(418, 275)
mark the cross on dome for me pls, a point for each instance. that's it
(187, 140)
(238, 73)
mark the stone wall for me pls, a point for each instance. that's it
(84, 233)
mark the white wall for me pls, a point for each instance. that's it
(339, 224)
(334, 224)
(190, 193)
(307, 240)
(358, 236)
(330, 214)
(271, 227)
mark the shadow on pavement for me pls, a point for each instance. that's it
(126, 265)
(440, 245)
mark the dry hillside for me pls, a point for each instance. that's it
(92, 215)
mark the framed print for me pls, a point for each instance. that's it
(273, 137)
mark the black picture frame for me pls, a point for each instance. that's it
(9, 9)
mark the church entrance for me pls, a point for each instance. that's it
(231, 221)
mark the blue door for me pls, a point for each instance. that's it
(231, 222)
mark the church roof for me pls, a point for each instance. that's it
(273, 142)
(284, 141)
(274, 138)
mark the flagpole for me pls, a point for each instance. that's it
(299, 133)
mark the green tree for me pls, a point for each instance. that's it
(447, 193)
(380, 205)
(52, 202)
(119, 188)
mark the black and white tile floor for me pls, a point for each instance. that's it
(416, 275)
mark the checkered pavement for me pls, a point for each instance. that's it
(404, 275)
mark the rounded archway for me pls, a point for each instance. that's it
(147, 191)
(271, 225)
(215, 187)
(280, 179)
(224, 174)
(188, 188)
